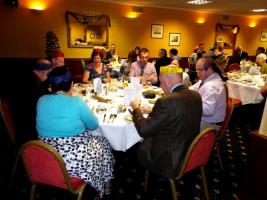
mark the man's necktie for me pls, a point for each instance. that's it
(202, 83)
(142, 71)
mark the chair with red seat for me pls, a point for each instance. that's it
(221, 132)
(233, 67)
(197, 155)
(44, 165)
(7, 118)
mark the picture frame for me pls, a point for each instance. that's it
(157, 31)
(263, 37)
(98, 36)
(92, 36)
(219, 38)
(174, 39)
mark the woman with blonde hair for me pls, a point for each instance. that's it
(261, 61)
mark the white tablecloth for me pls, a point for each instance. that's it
(245, 92)
(120, 133)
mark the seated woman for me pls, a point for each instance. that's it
(221, 63)
(186, 79)
(96, 69)
(66, 123)
(261, 61)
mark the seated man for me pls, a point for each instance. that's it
(144, 69)
(56, 58)
(171, 126)
(163, 60)
(211, 88)
(112, 54)
(25, 100)
(174, 54)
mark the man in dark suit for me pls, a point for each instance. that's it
(242, 54)
(171, 126)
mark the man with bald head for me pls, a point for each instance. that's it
(211, 88)
(171, 126)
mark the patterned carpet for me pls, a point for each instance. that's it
(129, 176)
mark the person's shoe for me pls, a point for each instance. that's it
(108, 188)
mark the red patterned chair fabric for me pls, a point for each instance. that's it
(233, 67)
(45, 165)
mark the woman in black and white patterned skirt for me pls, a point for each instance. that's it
(66, 123)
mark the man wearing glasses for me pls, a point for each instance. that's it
(211, 88)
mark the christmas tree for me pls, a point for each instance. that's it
(51, 42)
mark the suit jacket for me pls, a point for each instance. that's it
(168, 131)
(244, 55)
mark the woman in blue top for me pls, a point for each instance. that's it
(66, 123)
(96, 69)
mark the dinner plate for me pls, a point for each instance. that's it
(152, 101)
(128, 117)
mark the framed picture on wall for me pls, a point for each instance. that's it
(174, 39)
(98, 35)
(263, 37)
(92, 36)
(219, 38)
(157, 31)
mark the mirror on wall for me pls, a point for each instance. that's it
(225, 35)
(86, 30)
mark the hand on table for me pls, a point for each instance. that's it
(135, 104)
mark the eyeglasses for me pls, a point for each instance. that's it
(199, 70)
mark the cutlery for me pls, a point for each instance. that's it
(104, 118)
(110, 118)
(114, 116)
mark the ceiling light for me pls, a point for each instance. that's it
(260, 10)
(199, 2)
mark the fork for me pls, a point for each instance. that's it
(110, 118)
(114, 116)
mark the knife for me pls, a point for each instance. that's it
(104, 117)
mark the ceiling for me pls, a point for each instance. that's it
(227, 7)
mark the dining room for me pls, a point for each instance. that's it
(33, 29)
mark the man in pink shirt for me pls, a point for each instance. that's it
(144, 69)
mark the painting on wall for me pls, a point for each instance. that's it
(174, 39)
(219, 38)
(157, 31)
(263, 37)
(92, 36)
(98, 36)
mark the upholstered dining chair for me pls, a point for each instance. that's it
(197, 156)
(233, 67)
(7, 118)
(221, 132)
(44, 165)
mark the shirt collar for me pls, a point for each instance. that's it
(175, 86)
(214, 75)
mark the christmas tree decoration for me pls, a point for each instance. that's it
(52, 43)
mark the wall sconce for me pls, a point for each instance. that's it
(36, 10)
(252, 24)
(37, 7)
(201, 20)
(136, 12)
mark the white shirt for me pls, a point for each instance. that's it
(213, 98)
